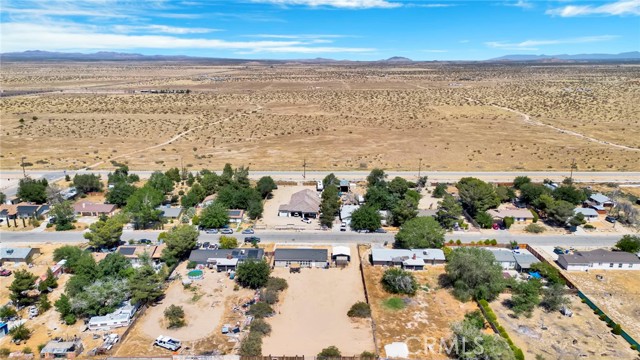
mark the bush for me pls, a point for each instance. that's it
(192, 265)
(276, 283)
(40, 347)
(4, 352)
(367, 355)
(617, 329)
(253, 274)
(70, 319)
(7, 312)
(394, 303)
(175, 315)
(359, 309)
(269, 296)
(534, 229)
(260, 310)
(27, 350)
(329, 353)
(398, 281)
(458, 242)
(518, 354)
(588, 227)
(536, 217)
(251, 345)
(494, 242)
(260, 326)
(508, 221)
(20, 333)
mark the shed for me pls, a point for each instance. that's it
(343, 251)
(61, 349)
(344, 186)
(304, 257)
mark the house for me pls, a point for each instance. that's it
(504, 257)
(341, 255)
(414, 259)
(599, 259)
(86, 208)
(305, 203)
(61, 349)
(589, 213)
(209, 200)
(524, 260)
(134, 252)
(17, 255)
(170, 212)
(119, 318)
(23, 210)
(344, 186)
(156, 257)
(601, 199)
(303, 257)
(346, 211)
(224, 259)
(520, 216)
(235, 215)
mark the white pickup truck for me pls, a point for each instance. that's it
(167, 343)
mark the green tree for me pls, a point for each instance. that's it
(43, 303)
(31, 190)
(120, 193)
(86, 183)
(508, 221)
(174, 175)
(525, 297)
(491, 347)
(554, 297)
(7, 312)
(420, 233)
(549, 272)
(398, 281)
(629, 243)
(69, 253)
(180, 241)
(260, 310)
(145, 285)
(214, 216)
(209, 182)
(519, 181)
(114, 266)
(570, 194)
(253, 274)
(174, 316)
(195, 196)
(241, 176)
(484, 219)
(329, 206)
(265, 186)
(228, 242)
(560, 212)
(161, 182)
(530, 192)
(23, 283)
(577, 220)
(398, 187)
(3, 198)
(505, 194)
(376, 178)
(365, 218)
(403, 211)
(64, 215)
(251, 345)
(104, 233)
(49, 282)
(449, 212)
(142, 206)
(330, 180)
(379, 197)
(20, 333)
(99, 298)
(330, 352)
(476, 195)
(260, 326)
(440, 190)
(474, 274)
(63, 306)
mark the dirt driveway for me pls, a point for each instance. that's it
(282, 195)
(312, 314)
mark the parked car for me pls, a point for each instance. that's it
(611, 219)
(213, 246)
(363, 231)
(381, 231)
(167, 342)
(247, 231)
(250, 239)
(226, 231)
(33, 312)
(5, 272)
(206, 245)
(211, 231)
(558, 250)
(145, 241)
(306, 221)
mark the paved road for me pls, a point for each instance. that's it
(326, 237)
(9, 178)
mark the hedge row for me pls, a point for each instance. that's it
(493, 320)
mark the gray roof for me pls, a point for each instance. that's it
(202, 255)
(600, 256)
(525, 259)
(170, 212)
(502, 255)
(301, 254)
(15, 253)
(399, 255)
(599, 198)
(60, 347)
(586, 211)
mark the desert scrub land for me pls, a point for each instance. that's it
(337, 117)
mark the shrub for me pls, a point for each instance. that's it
(617, 329)
(70, 319)
(367, 355)
(251, 345)
(519, 355)
(27, 350)
(192, 265)
(4, 352)
(260, 326)
(260, 310)
(360, 309)
(398, 281)
(253, 274)
(588, 227)
(458, 242)
(40, 347)
(175, 315)
(269, 296)
(276, 283)
(20, 333)
(534, 229)
(394, 303)
(536, 217)
(494, 242)
(329, 353)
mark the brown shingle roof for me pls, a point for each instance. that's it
(306, 201)
(89, 207)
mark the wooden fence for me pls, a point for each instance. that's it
(366, 298)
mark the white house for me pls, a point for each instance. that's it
(119, 318)
(414, 259)
(599, 259)
(589, 213)
(504, 257)
(346, 211)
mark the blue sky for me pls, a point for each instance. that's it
(339, 29)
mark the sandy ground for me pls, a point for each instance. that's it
(205, 305)
(618, 295)
(428, 201)
(499, 118)
(583, 335)
(313, 313)
(282, 195)
(427, 316)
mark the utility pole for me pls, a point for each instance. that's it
(573, 166)
(304, 169)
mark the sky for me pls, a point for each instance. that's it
(337, 29)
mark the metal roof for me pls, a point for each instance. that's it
(502, 255)
(301, 255)
(586, 212)
(202, 255)
(525, 259)
(398, 255)
(15, 253)
(170, 212)
(600, 256)
(599, 198)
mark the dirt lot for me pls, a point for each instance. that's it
(206, 305)
(282, 195)
(429, 314)
(583, 335)
(496, 117)
(618, 295)
(313, 313)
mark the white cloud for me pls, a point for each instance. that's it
(298, 36)
(347, 4)
(621, 7)
(21, 36)
(521, 4)
(532, 45)
(161, 29)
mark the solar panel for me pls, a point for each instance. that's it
(234, 212)
(126, 251)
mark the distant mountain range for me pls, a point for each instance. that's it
(38, 55)
(632, 55)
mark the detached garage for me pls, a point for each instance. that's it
(304, 257)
